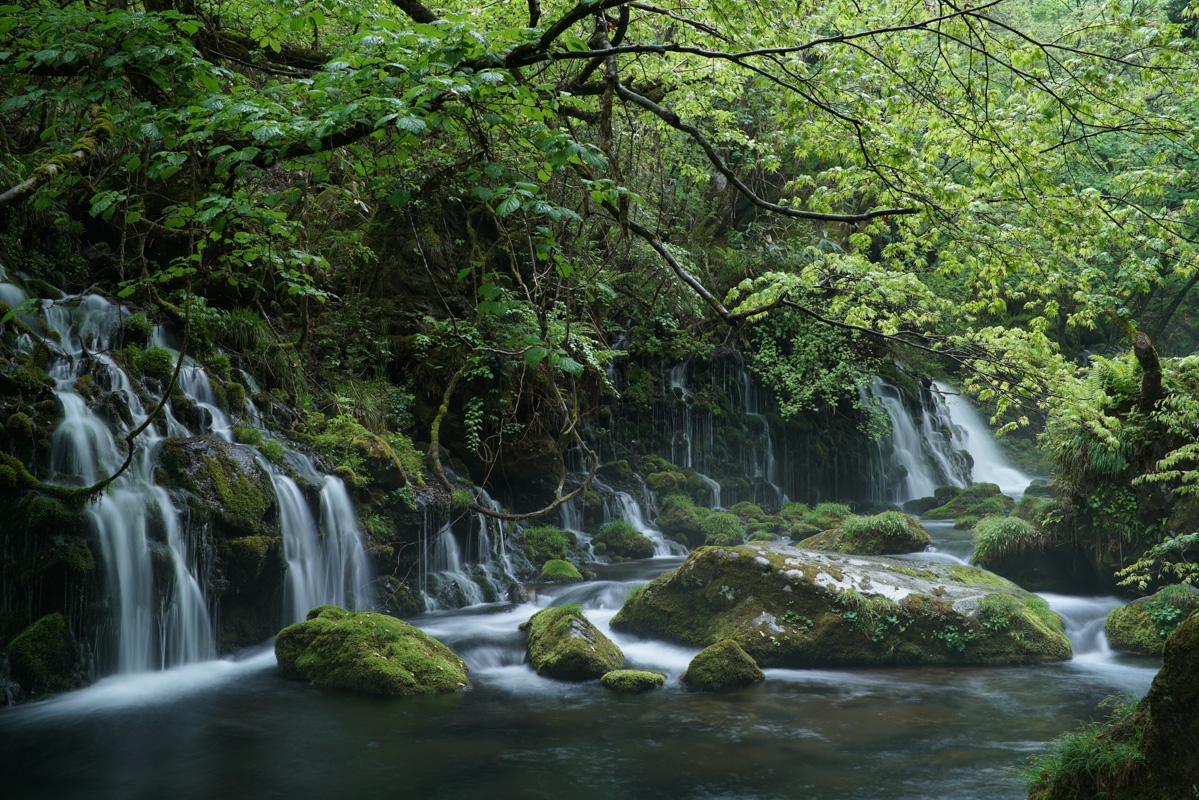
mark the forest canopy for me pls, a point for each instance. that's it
(994, 186)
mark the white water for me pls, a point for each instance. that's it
(971, 432)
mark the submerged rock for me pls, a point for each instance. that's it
(367, 652)
(563, 644)
(888, 533)
(1143, 625)
(632, 681)
(788, 607)
(723, 665)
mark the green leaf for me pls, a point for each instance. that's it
(535, 354)
(510, 204)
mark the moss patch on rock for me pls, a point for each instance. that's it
(620, 539)
(977, 501)
(367, 652)
(545, 542)
(41, 657)
(723, 665)
(887, 533)
(788, 607)
(1143, 625)
(558, 570)
(681, 520)
(226, 478)
(721, 528)
(563, 644)
(632, 681)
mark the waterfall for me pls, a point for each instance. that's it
(971, 433)
(155, 566)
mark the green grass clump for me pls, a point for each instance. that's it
(722, 529)
(793, 511)
(246, 434)
(619, 538)
(1089, 762)
(997, 537)
(545, 542)
(827, 515)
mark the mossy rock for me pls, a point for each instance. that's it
(977, 501)
(920, 505)
(545, 542)
(42, 657)
(229, 481)
(632, 681)
(827, 515)
(888, 533)
(619, 538)
(795, 608)
(1143, 625)
(666, 482)
(367, 652)
(721, 528)
(747, 511)
(558, 570)
(723, 665)
(616, 472)
(563, 644)
(794, 511)
(681, 520)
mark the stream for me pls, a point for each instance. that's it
(235, 728)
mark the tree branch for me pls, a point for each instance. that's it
(82, 150)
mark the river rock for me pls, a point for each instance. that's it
(723, 665)
(632, 681)
(367, 652)
(788, 607)
(888, 533)
(43, 657)
(1143, 625)
(564, 644)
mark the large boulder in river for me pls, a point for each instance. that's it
(564, 644)
(226, 478)
(976, 501)
(1143, 625)
(723, 665)
(788, 607)
(367, 652)
(888, 533)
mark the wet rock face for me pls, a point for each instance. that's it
(1171, 738)
(723, 665)
(227, 480)
(367, 652)
(563, 644)
(788, 607)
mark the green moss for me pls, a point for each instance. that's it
(138, 329)
(722, 528)
(246, 434)
(19, 427)
(235, 394)
(545, 542)
(559, 570)
(367, 652)
(887, 533)
(632, 681)
(153, 362)
(978, 500)
(272, 450)
(40, 655)
(619, 538)
(1143, 625)
(827, 515)
(617, 472)
(747, 510)
(563, 644)
(228, 479)
(793, 511)
(680, 520)
(666, 482)
(723, 665)
(217, 366)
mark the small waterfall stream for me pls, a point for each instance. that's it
(154, 563)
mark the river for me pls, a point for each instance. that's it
(236, 729)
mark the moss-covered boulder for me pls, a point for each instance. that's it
(621, 540)
(721, 528)
(888, 533)
(788, 607)
(43, 657)
(827, 515)
(545, 542)
(1143, 625)
(1016, 549)
(563, 644)
(632, 681)
(976, 501)
(227, 479)
(723, 665)
(367, 652)
(681, 520)
(558, 570)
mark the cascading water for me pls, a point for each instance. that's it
(155, 565)
(970, 432)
